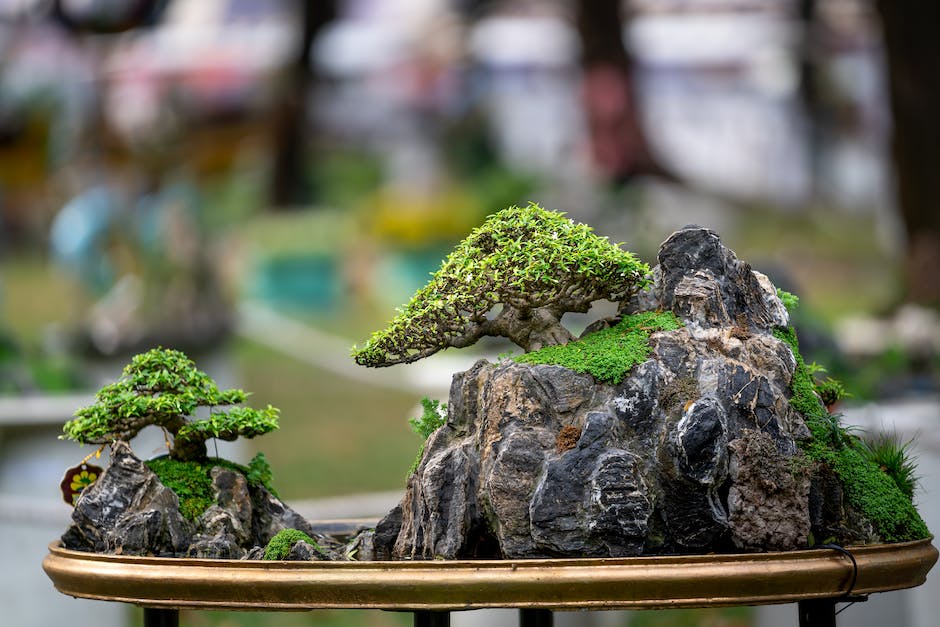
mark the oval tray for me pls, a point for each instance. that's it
(637, 582)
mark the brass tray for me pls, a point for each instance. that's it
(637, 582)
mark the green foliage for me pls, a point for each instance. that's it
(608, 354)
(790, 301)
(191, 481)
(280, 545)
(867, 486)
(164, 388)
(804, 399)
(259, 472)
(524, 258)
(831, 391)
(878, 497)
(228, 425)
(434, 417)
(894, 458)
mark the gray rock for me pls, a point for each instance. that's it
(768, 502)
(706, 284)
(218, 546)
(129, 511)
(254, 553)
(304, 552)
(270, 515)
(386, 533)
(541, 461)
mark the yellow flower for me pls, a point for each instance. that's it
(82, 480)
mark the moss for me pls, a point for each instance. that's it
(280, 545)
(608, 354)
(790, 301)
(878, 497)
(894, 458)
(191, 481)
(867, 487)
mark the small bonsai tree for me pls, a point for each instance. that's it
(536, 264)
(164, 388)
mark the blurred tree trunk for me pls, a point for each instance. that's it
(813, 109)
(618, 142)
(290, 185)
(912, 45)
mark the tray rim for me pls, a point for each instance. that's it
(646, 582)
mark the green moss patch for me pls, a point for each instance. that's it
(869, 489)
(280, 545)
(191, 481)
(608, 354)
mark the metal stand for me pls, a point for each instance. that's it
(527, 618)
(813, 613)
(536, 618)
(818, 613)
(160, 617)
(430, 618)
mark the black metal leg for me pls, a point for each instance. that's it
(536, 618)
(430, 618)
(818, 613)
(161, 617)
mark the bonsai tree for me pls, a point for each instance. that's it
(164, 388)
(536, 264)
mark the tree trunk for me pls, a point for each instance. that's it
(912, 46)
(530, 329)
(618, 142)
(189, 450)
(289, 184)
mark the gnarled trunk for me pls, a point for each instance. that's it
(531, 329)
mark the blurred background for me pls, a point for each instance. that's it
(261, 182)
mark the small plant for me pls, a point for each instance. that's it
(790, 301)
(259, 472)
(831, 391)
(164, 388)
(894, 458)
(515, 276)
(280, 545)
(434, 417)
(839, 435)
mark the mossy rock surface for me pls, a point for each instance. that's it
(689, 424)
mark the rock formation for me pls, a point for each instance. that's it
(697, 450)
(129, 511)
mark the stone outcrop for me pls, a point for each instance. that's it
(695, 451)
(129, 511)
